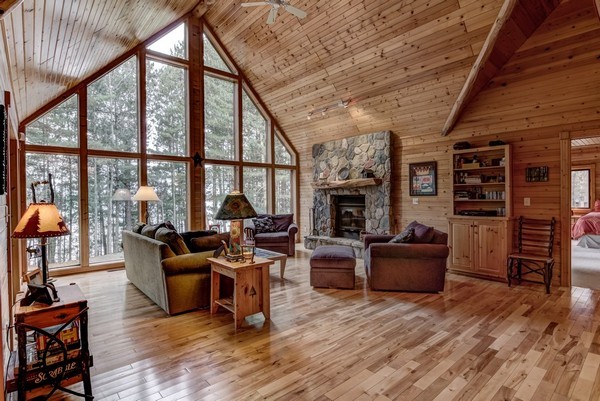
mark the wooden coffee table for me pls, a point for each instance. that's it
(274, 256)
(251, 292)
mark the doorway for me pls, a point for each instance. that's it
(585, 220)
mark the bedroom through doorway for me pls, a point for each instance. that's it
(585, 212)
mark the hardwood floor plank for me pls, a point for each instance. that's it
(479, 340)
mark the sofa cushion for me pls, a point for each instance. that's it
(208, 243)
(150, 230)
(269, 238)
(264, 224)
(408, 235)
(282, 221)
(423, 233)
(137, 227)
(173, 239)
(189, 235)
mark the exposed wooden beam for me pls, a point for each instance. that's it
(7, 5)
(516, 21)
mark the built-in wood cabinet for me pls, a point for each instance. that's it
(480, 229)
(479, 246)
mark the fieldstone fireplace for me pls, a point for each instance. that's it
(352, 190)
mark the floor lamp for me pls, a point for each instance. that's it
(146, 194)
(235, 207)
(124, 195)
(42, 220)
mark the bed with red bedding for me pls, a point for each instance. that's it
(587, 225)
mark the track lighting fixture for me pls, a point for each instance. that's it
(342, 104)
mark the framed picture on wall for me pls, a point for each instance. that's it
(423, 178)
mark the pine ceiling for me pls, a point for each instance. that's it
(401, 64)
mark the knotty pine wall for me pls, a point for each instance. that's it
(549, 86)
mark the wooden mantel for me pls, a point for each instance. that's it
(352, 183)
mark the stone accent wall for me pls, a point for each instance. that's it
(352, 155)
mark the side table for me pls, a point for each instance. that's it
(251, 292)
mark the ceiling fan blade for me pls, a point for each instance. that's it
(272, 15)
(296, 11)
(255, 3)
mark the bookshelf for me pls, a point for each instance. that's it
(480, 227)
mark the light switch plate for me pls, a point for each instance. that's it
(415, 201)
(527, 201)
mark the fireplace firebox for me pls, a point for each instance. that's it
(350, 216)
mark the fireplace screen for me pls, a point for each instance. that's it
(350, 216)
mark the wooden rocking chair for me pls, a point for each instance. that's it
(535, 240)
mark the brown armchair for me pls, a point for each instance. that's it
(279, 237)
(419, 267)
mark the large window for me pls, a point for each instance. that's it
(255, 132)
(112, 109)
(62, 251)
(166, 110)
(169, 180)
(284, 191)
(109, 211)
(219, 116)
(582, 187)
(219, 181)
(58, 127)
(255, 187)
(173, 43)
(135, 129)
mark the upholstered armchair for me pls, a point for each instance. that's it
(416, 265)
(274, 232)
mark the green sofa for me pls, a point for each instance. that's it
(175, 282)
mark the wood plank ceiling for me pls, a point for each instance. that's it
(401, 64)
(50, 46)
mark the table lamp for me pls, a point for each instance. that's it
(145, 194)
(41, 220)
(235, 207)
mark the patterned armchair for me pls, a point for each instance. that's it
(275, 232)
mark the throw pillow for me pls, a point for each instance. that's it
(173, 239)
(264, 225)
(137, 227)
(150, 230)
(423, 233)
(282, 221)
(189, 235)
(405, 236)
(170, 225)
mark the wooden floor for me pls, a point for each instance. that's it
(479, 340)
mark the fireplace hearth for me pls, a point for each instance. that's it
(345, 205)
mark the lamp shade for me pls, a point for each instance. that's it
(122, 194)
(39, 221)
(235, 206)
(145, 193)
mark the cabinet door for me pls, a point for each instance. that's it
(490, 248)
(461, 244)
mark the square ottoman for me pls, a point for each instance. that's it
(332, 266)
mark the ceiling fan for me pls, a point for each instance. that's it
(275, 5)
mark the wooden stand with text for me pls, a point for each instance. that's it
(53, 349)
